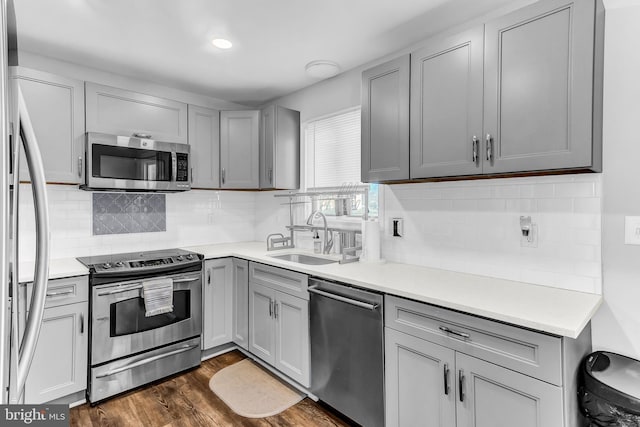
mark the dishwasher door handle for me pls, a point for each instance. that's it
(314, 290)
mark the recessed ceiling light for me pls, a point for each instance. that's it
(322, 69)
(222, 43)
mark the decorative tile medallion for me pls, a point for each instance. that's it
(120, 213)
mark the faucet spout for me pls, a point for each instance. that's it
(328, 241)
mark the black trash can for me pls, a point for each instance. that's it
(609, 392)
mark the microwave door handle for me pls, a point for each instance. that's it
(41, 271)
(174, 167)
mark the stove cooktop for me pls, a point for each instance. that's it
(139, 261)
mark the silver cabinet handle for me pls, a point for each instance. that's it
(446, 379)
(80, 167)
(275, 310)
(81, 323)
(270, 176)
(191, 175)
(208, 277)
(41, 272)
(461, 384)
(489, 141)
(474, 147)
(223, 175)
(453, 332)
(314, 290)
(59, 294)
(270, 308)
(146, 361)
(142, 135)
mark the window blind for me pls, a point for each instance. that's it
(335, 157)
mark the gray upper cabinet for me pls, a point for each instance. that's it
(446, 106)
(122, 112)
(280, 148)
(56, 108)
(385, 121)
(204, 139)
(539, 96)
(239, 149)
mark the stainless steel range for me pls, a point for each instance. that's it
(146, 318)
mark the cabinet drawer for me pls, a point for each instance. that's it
(531, 353)
(289, 282)
(65, 291)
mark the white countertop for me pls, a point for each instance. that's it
(555, 311)
(547, 309)
(58, 268)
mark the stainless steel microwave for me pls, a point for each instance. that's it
(135, 164)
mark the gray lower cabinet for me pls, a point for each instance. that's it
(445, 369)
(56, 109)
(385, 122)
(446, 106)
(217, 302)
(239, 149)
(279, 148)
(123, 112)
(279, 320)
(59, 366)
(539, 89)
(240, 322)
(204, 143)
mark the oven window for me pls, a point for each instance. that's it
(127, 317)
(130, 163)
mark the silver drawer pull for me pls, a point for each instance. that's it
(452, 332)
(148, 360)
(59, 294)
(142, 135)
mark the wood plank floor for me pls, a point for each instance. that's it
(186, 400)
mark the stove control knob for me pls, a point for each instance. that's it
(190, 256)
(107, 265)
(119, 264)
(179, 258)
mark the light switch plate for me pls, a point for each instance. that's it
(632, 230)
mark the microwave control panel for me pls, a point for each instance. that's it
(182, 174)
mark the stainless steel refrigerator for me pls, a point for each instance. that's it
(16, 350)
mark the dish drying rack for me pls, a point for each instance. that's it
(345, 195)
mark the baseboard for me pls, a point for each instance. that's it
(217, 351)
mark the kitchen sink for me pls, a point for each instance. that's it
(304, 259)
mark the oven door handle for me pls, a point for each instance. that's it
(120, 290)
(186, 280)
(147, 360)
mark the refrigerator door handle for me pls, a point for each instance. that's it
(41, 272)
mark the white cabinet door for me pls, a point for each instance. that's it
(280, 148)
(204, 140)
(56, 109)
(239, 149)
(217, 302)
(127, 113)
(262, 337)
(59, 366)
(240, 324)
(492, 396)
(292, 337)
(419, 382)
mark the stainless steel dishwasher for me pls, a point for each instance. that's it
(347, 350)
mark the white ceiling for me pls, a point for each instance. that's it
(168, 41)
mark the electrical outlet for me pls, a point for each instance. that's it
(632, 230)
(530, 241)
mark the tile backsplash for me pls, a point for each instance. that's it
(474, 227)
(192, 218)
(121, 213)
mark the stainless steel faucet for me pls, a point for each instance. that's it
(328, 242)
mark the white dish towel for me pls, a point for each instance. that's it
(158, 296)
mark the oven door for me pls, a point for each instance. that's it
(120, 328)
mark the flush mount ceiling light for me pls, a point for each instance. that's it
(322, 69)
(222, 43)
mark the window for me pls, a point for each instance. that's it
(333, 159)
